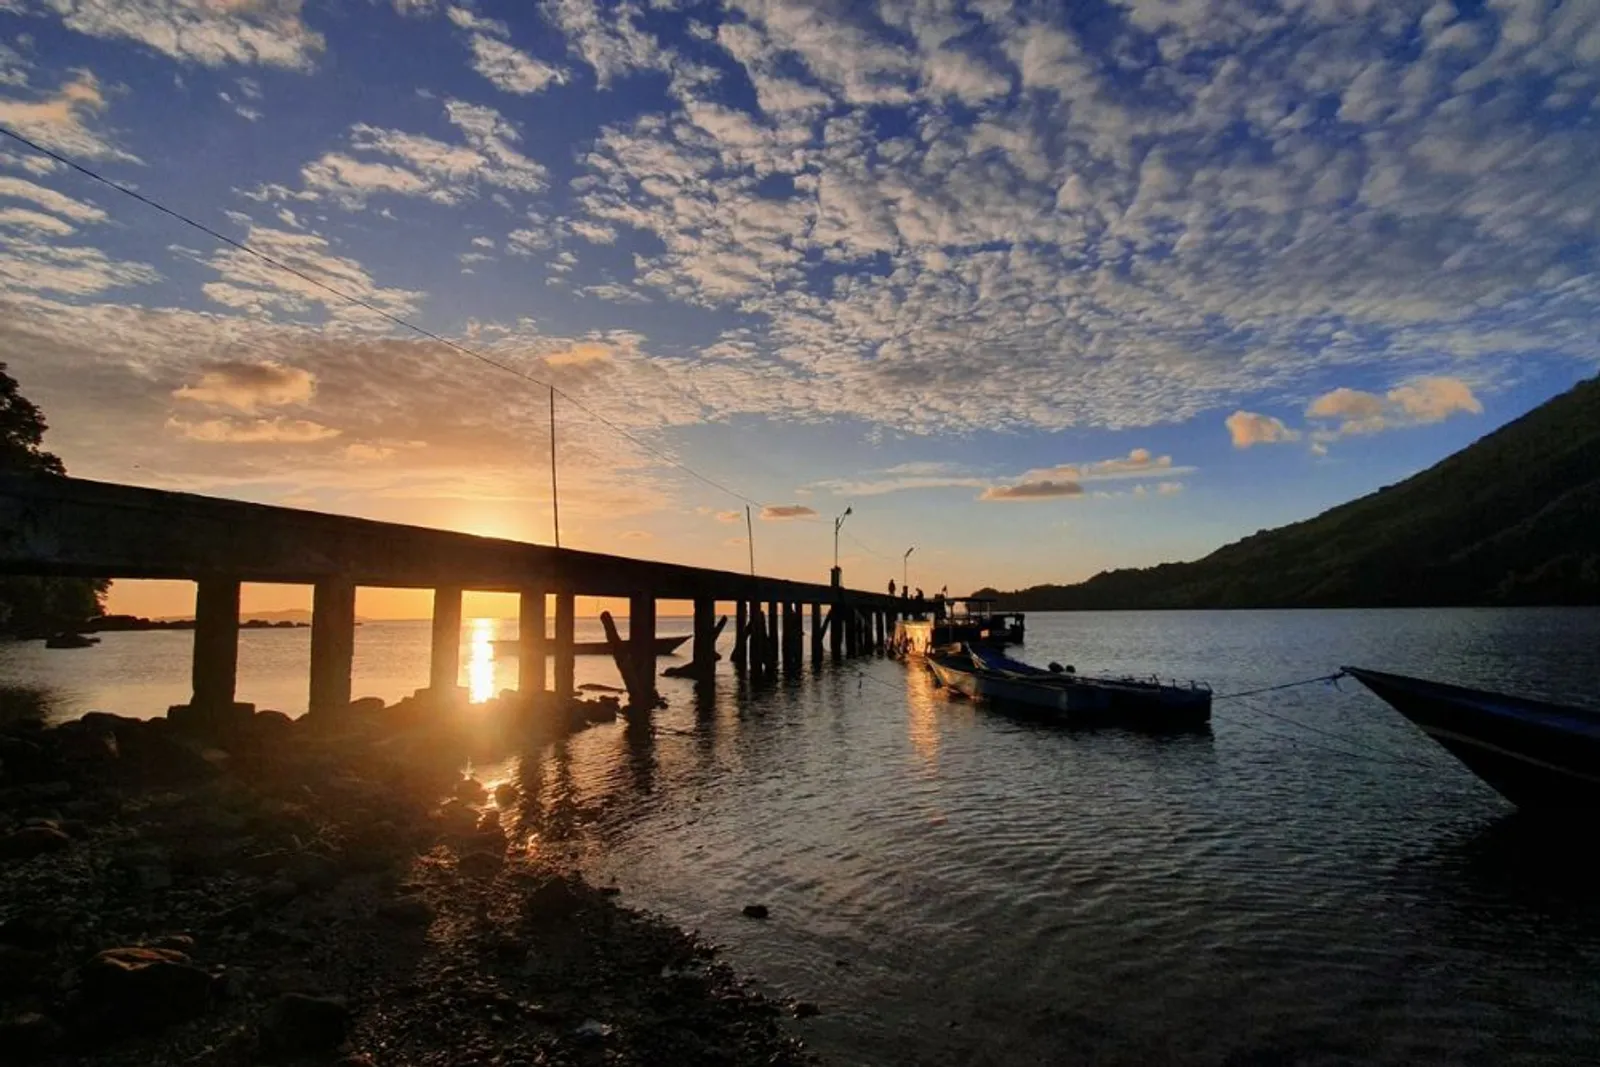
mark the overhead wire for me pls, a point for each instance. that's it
(368, 305)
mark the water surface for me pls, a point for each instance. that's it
(1310, 881)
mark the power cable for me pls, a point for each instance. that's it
(369, 306)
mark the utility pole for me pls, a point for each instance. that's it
(555, 495)
(836, 574)
(750, 539)
(905, 568)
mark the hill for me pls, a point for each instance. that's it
(1513, 518)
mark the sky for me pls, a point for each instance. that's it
(1034, 289)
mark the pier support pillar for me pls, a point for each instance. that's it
(774, 635)
(791, 637)
(530, 643)
(758, 641)
(215, 669)
(816, 634)
(333, 644)
(565, 659)
(835, 627)
(705, 638)
(642, 646)
(741, 635)
(445, 665)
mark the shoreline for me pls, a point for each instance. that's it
(315, 891)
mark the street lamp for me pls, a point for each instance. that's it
(834, 575)
(905, 568)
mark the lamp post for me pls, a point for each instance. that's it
(835, 574)
(905, 568)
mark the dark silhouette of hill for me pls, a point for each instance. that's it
(1513, 518)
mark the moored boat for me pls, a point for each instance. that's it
(665, 646)
(945, 622)
(1533, 753)
(983, 674)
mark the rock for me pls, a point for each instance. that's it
(32, 841)
(298, 1024)
(138, 987)
(366, 706)
(554, 898)
(407, 911)
(19, 970)
(505, 795)
(804, 1009)
(278, 891)
(755, 911)
(481, 864)
(611, 890)
(29, 1036)
(470, 790)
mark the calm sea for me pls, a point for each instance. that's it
(1309, 882)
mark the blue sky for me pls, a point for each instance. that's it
(1037, 289)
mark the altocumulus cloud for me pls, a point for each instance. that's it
(777, 512)
(1249, 428)
(1040, 490)
(248, 387)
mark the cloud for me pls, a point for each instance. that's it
(1139, 463)
(1414, 403)
(253, 431)
(729, 516)
(248, 387)
(413, 164)
(636, 535)
(1040, 490)
(904, 477)
(67, 270)
(582, 354)
(511, 69)
(778, 512)
(60, 121)
(362, 452)
(1248, 428)
(21, 218)
(263, 32)
(250, 284)
(50, 200)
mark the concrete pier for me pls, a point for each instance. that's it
(70, 527)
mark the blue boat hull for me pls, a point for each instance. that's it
(1535, 754)
(1070, 698)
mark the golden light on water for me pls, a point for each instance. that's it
(480, 661)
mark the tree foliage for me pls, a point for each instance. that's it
(35, 606)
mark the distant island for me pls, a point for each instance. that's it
(1513, 518)
(122, 623)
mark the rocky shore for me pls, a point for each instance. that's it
(328, 891)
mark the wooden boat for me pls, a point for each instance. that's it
(67, 639)
(984, 674)
(665, 646)
(1535, 754)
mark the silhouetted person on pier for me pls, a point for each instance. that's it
(891, 587)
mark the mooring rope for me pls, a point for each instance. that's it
(1331, 679)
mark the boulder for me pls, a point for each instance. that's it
(29, 1036)
(31, 841)
(755, 911)
(299, 1024)
(139, 988)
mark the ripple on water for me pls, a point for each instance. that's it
(1004, 893)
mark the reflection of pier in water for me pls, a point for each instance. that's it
(68, 527)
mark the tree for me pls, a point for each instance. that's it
(31, 607)
(22, 428)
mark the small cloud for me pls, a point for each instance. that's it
(581, 354)
(779, 512)
(736, 542)
(253, 431)
(1248, 428)
(729, 516)
(1040, 490)
(1169, 488)
(1415, 403)
(636, 535)
(248, 387)
(362, 452)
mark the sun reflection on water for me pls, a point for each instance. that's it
(480, 661)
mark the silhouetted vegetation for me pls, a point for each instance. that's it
(34, 607)
(1512, 519)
